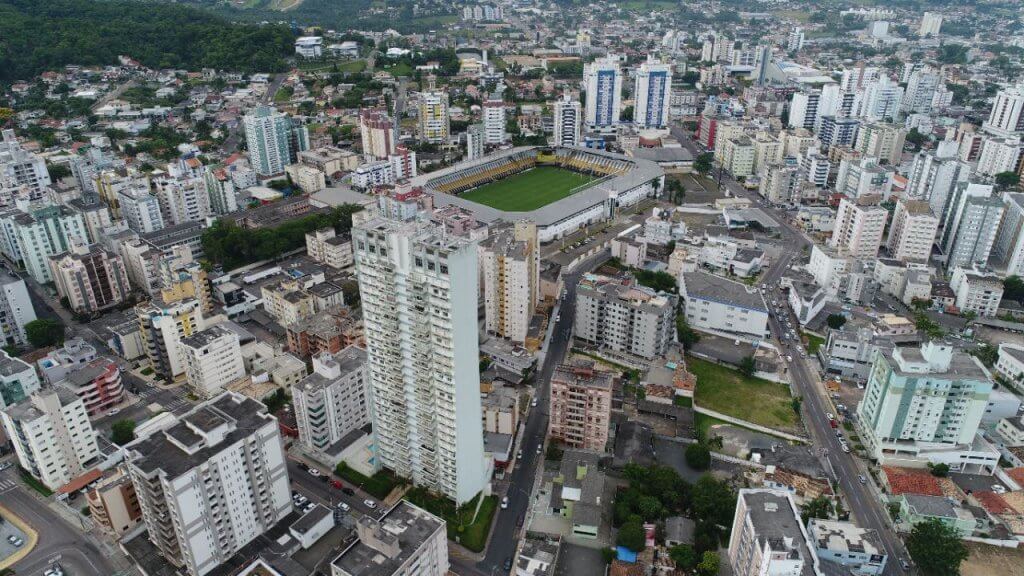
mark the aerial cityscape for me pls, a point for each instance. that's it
(511, 288)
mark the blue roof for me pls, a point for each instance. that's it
(625, 554)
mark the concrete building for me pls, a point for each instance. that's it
(976, 292)
(970, 225)
(20, 170)
(211, 482)
(406, 541)
(716, 304)
(925, 405)
(603, 79)
(16, 310)
(18, 380)
(163, 325)
(140, 209)
(1011, 362)
(581, 403)
(859, 227)
(738, 156)
(768, 538)
(1007, 115)
(651, 94)
(98, 383)
(912, 232)
(213, 359)
(90, 278)
(934, 175)
(493, 114)
(434, 120)
(332, 401)
(113, 504)
(306, 178)
(844, 543)
(327, 247)
(268, 135)
(1000, 155)
(377, 132)
(309, 46)
(52, 436)
(568, 121)
(623, 316)
(881, 140)
(426, 351)
(931, 23)
(510, 259)
(1008, 251)
(41, 232)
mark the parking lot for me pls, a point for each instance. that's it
(8, 530)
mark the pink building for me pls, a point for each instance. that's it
(581, 404)
(98, 384)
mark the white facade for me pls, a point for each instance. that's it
(768, 537)
(213, 359)
(970, 225)
(52, 436)
(406, 541)
(435, 125)
(267, 134)
(43, 232)
(422, 343)
(858, 229)
(568, 122)
(651, 94)
(494, 120)
(976, 292)
(20, 169)
(140, 209)
(18, 380)
(603, 79)
(627, 319)
(333, 400)
(1007, 115)
(211, 482)
(720, 305)
(912, 232)
(1008, 252)
(931, 23)
(1000, 155)
(16, 310)
(1011, 362)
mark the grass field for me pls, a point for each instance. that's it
(528, 190)
(755, 400)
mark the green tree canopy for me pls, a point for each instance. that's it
(122, 432)
(698, 456)
(835, 321)
(820, 507)
(631, 535)
(702, 163)
(684, 556)
(936, 548)
(748, 366)
(1007, 179)
(708, 564)
(687, 336)
(44, 332)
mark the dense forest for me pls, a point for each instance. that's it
(42, 35)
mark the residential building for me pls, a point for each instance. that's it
(23, 174)
(405, 541)
(780, 184)
(494, 119)
(16, 310)
(211, 482)
(510, 259)
(213, 359)
(327, 247)
(581, 403)
(931, 23)
(1000, 155)
(41, 232)
(140, 209)
(52, 436)
(846, 544)
(568, 121)
(738, 156)
(98, 384)
(603, 79)
(880, 100)
(1008, 250)
(306, 178)
(881, 140)
(651, 94)
(576, 493)
(925, 405)
(934, 176)
(329, 331)
(162, 325)
(970, 225)
(1007, 115)
(268, 135)
(474, 141)
(920, 92)
(717, 304)
(623, 316)
(221, 191)
(434, 121)
(859, 227)
(838, 131)
(18, 380)
(332, 401)
(377, 133)
(768, 537)
(421, 342)
(90, 278)
(113, 504)
(912, 232)
(976, 292)
(1011, 362)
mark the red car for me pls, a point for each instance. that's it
(833, 423)
(337, 484)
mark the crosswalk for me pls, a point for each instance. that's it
(7, 484)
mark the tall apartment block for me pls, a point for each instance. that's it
(1007, 115)
(162, 325)
(91, 278)
(268, 134)
(52, 436)
(768, 537)
(494, 119)
(510, 259)
(603, 79)
(211, 482)
(912, 232)
(16, 310)
(624, 316)
(970, 225)
(652, 93)
(435, 122)
(333, 400)
(415, 282)
(20, 169)
(568, 121)
(406, 541)
(377, 133)
(581, 404)
(859, 227)
(41, 232)
(213, 359)
(113, 504)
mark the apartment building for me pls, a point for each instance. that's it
(881, 140)
(52, 436)
(860, 550)
(768, 537)
(327, 247)
(652, 93)
(18, 380)
(16, 310)
(405, 541)
(434, 119)
(287, 302)
(41, 232)
(422, 343)
(717, 304)
(618, 314)
(568, 121)
(912, 232)
(510, 259)
(268, 135)
(162, 325)
(970, 225)
(213, 359)
(90, 278)
(113, 504)
(581, 403)
(98, 383)
(332, 401)
(603, 79)
(377, 133)
(859, 227)
(976, 292)
(1008, 250)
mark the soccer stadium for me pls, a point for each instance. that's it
(561, 189)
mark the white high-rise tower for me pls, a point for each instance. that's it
(652, 93)
(604, 94)
(567, 122)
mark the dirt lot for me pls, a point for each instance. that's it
(989, 560)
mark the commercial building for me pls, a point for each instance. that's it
(651, 94)
(603, 79)
(859, 227)
(18, 380)
(90, 278)
(924, 405)
(213, 359)
(212, 482)
(846, 544)
(568, 121)
(912, 232)
(309, 46)
(423, 352)
(510, 259)
(113, 504)
(768, 537)
(623, 316)
(332, 401)
(716, 304)
(581, 404)
(976, 292)
(52, 436)
(268, 134)
(406, 541)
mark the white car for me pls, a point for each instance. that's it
(344, 506)
(533, 402)
(370, 504)
(314, 472)
(846, 448)
(999, 489)
(113, 412)
(540, 447)
(830, 416)
(789, 358)
(504, 503)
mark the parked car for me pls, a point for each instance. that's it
(904, 564)
(508, 563)
(337, 484)
(314, 472)
(344, 507)
(370, 504)
(862, 479)
(348, 491)
(533, 402)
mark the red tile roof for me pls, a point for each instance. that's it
(1017, 474)
(911, 481)
(992, 502)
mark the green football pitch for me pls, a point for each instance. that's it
(528, 190)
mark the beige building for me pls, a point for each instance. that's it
(113, 503)
(306, 177)
(327, 247)
(581, 403)
(913, 231)
(330, 160)
(286, 302)
(881, 140)
(859, 227)
(500, 410)
(90, 278)
(738, 156)
(976, 292)
(510, 262)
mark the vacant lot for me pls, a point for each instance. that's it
(528, 190)
(755, 400)
(987, 560)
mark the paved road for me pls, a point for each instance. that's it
(319, 491)
(866, 508)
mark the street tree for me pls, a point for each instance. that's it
(936, 548)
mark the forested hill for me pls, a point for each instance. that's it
(40, 35)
